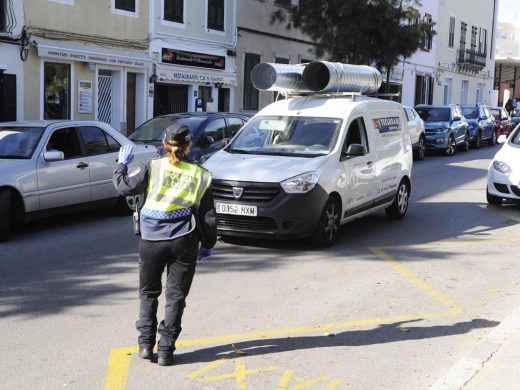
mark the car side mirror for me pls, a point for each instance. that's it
(53, 155)
(502, 138)
(456, 119)
(209, 140)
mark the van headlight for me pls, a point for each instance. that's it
(501, 166)
(301, 183)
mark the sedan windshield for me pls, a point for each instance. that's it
(516, 138)
(153, 130)
(287, 136)
(434, 114)
(19, 142)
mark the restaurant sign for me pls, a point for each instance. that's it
(176, 57)
(196, 78)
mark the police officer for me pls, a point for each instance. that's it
(178, 213)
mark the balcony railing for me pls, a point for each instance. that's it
(7, 22)
(471, 59)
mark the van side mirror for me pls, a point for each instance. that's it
(53, 155)
(355, 150)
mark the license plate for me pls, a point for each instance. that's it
(236, 209)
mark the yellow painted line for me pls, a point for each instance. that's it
(120, 358)
(412, 278)
(437, 244)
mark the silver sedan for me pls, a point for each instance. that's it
(46, 166)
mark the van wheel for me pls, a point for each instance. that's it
(421, 149)
(493, 140)
(5, 215)
(450, 149)
(399, 206)
(465, 145)
(492, 199)
(328, 227)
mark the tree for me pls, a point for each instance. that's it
(359, 31)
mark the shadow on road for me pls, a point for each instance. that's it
(388, 333)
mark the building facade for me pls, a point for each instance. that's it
(193, 51)
(87, 60)
(260, 41)
(507, 61)
(459, 66)
(13, 49)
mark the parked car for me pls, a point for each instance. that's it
(481, 124)
(515, 119)
(210, 131)
(47, 167)
(503, 180)
(502, 121)
(446, 128)
(417, 132)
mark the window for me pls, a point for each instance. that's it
(174, 10)
(482, 41)
(427, 37)
(234, 124)
(464, 92)
(97, 141)
(451, 36)
(463, 29)
(356, 134)
(474, 31)
(216, 15)
(56, 91)
(125, 5)
(423, 90)
(251, 95)
(216, 129)
(65, 141)
(3, 16)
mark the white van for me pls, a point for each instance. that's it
(305, 165)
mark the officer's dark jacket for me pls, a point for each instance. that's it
(136, 182)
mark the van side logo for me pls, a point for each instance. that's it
(237, 192)
(387, 125)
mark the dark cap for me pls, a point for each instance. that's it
(178, 133)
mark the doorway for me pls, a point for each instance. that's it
(170, 98)
(223, 99)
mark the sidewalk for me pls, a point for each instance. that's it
(493, 363)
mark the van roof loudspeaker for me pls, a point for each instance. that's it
(324, 76)
(278, 77)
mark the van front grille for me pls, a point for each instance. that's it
(251, 192)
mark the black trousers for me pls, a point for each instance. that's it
(179, 257)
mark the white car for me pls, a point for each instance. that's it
(503, 180)
(48, 166)
(417, 132)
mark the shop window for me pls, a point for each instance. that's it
(251, 95)
(125, 5)
(174, 11)
(216, 15)
(56, 91)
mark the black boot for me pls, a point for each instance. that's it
(146, 353)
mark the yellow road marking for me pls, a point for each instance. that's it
(206, 368)
(412, 278)
(120, 358)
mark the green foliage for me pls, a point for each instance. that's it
(359, 31)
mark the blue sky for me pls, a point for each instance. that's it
(506, 9)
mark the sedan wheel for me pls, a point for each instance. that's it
(450, 150)
(399, 206)
(465, 145)
(328, 227)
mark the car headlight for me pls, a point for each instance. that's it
(438, 131)
(301, 183)
(501, 166)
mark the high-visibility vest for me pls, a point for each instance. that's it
(175, 187)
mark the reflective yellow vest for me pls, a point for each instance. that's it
(175, 187)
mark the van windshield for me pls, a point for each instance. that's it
(287, 136)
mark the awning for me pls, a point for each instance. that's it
(195, 76)
(89, 53)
